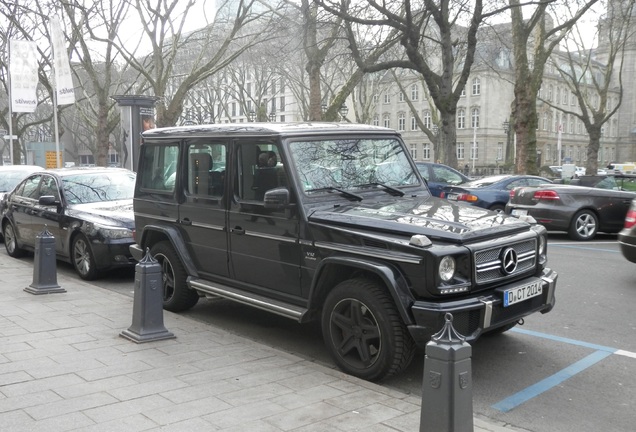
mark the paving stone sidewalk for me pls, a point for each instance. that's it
(64, 367)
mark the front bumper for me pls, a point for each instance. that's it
(477, 315)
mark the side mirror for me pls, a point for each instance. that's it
(277, 198)
(47, 200)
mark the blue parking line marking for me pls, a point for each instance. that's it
(550, 382)
(563, 339)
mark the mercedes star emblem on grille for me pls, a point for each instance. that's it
(509, 261)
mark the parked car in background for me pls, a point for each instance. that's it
(438, 176)
(11, 175)
(490, 192)
(591, 204)
(627, 237)
(87, 210)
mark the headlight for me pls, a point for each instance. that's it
(447, 268)
(541, 245)
(108, 232)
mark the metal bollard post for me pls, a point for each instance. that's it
(44, 266)
(447, 388)
(147, 325)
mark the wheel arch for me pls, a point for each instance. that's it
(333, 270)
(153, 234)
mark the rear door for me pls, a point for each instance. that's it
(21, 206)
(202, 213)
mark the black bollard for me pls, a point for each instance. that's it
(44, 266)
(447, 388)
(147, 325)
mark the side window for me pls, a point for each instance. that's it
(444, 175)
(160, 167)
(206, 169)
(259, 170)
(48, 186)
(30, 189)
(518, 183)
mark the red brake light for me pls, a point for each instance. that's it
(442, 194)
(512, 193)
(630, 219)
(546, 195)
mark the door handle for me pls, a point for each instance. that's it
(237, 230)
(185, 221)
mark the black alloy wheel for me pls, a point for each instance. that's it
(364, 332)
(177, 296)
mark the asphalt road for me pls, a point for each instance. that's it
(570, 370)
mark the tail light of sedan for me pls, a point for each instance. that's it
(630, 218)
(462, 197)
(549, 195)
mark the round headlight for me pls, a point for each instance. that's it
(447, 268)
(541, 245)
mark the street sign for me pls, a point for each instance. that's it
(8, 137)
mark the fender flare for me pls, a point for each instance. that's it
(394, 281)
(174, 236)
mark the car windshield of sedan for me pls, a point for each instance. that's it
(96, 187)
(351, 163)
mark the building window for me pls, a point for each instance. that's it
(500, 150)
(427, 119)
(572, 99)
(550, 88)
(460, 151)
(558, 95)
(401, 122)
(414, 92)
(376, 98)
(474, 150)
(426, 151)
(565, 97)
(474, 118)
(476, 86)
(401, 97)
(282, 103)
(414, 151)
(413, 123)
(387, 121)
(545, 121)
(463, 92)
(461, 118)
(376, 120)
(548, 152)
(387, 98)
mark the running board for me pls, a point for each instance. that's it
(278, 307)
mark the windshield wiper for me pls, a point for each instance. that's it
(393, 191)
(342, 191)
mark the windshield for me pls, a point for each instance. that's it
(97, 187)
(351, 163)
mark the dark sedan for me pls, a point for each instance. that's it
(87, 210)
(490, 192)
(582, 211)
(438, 175)
(627, 237)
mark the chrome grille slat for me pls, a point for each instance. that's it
(488, 265)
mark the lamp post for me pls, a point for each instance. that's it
(343, 111)
(474, 155)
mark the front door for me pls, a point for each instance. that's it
(264, 248)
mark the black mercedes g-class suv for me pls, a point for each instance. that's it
(331, 221)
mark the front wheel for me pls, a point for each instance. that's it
(177, 296)
(83, 258)
(584, 225)
(363, 330)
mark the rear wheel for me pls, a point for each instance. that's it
(364, 332)
(177, 296)
(11, 242)
(499, 208)
(584, 225)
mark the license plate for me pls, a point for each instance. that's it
(524, 292)
(518, 212)
(452, 197)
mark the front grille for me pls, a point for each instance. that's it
(489, 265)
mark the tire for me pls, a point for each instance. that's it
(363, 331)
(584, 226)
(83, 259)
(177, 297)
(499, 208)
(11, 242)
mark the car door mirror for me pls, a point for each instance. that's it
(47, 200)
(277, 198)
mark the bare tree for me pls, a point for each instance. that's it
(594, 76)
(533, 41)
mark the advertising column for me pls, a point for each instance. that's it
(137, 116)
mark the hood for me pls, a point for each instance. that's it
(433, 217)
(116, 213)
